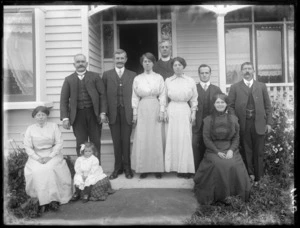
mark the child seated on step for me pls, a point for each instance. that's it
(89, 180)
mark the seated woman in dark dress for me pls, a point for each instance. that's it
(222, 172)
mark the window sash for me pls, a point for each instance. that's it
(8, 28)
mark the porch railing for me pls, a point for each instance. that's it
(283, 92)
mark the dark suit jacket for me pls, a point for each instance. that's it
(199, 114)
(111, 84)
(69, 93)
(238, 99)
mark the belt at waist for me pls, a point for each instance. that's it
(150, 97)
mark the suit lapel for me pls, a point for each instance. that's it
(74, 83)
(114, 76)
(254, 86)
(244, 87)
(125, 77)
(201, 93)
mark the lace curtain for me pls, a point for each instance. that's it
(18, 49)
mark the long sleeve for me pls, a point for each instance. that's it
(102, 95)
(231, 99)
(29, 145)
(194, 100)
(162, 95)
(135, 98)
(267, 105)
(236, 137)
(207, 138)
(58, 142)
(64, 100)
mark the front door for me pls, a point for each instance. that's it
(137, 39)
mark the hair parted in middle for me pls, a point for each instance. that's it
(179, 59)
(149, 56)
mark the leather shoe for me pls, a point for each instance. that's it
(143, 175)
(128, 174)
(115, 174)
(158, 175)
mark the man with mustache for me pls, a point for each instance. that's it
(83, 104)
(249, 100)
(118, 83)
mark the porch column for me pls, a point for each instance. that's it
(221, 51)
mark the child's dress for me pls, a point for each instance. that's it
(90, 169)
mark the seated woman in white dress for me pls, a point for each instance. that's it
(47, 175)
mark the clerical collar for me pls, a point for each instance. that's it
(80, 73)
(246, 82)
(165, 59)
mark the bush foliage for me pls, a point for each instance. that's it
(18, 204)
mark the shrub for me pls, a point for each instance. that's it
(279, 145)
(17, 202)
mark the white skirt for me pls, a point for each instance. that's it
(179, 155)
(48, 182)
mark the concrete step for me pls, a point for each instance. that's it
(168, 180)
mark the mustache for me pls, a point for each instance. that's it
(247, 73)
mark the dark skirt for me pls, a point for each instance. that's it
(218, 178)
(101, 189)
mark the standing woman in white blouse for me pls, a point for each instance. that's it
(180, 116)
(148, 103)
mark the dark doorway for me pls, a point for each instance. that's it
(137, 39)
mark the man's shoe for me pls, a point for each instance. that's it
(75, 196)
(158, 175)
(143, 175)
(115, 174)
(128, 174)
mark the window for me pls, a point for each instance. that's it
(18, 56)
(269, 54)
(263, 35)
(237, 51)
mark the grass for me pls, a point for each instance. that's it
(271, 203)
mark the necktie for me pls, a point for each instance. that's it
(205, 87)
(248, 84)
(120, 73)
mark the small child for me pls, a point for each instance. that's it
(89, 178)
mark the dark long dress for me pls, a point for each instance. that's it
(218, 178)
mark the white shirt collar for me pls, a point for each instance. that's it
(80, 75)
(165, 59)
(203, 83)
(118, 70)
(246, 82)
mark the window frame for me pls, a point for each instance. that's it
(253, 43)
(39, 60)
